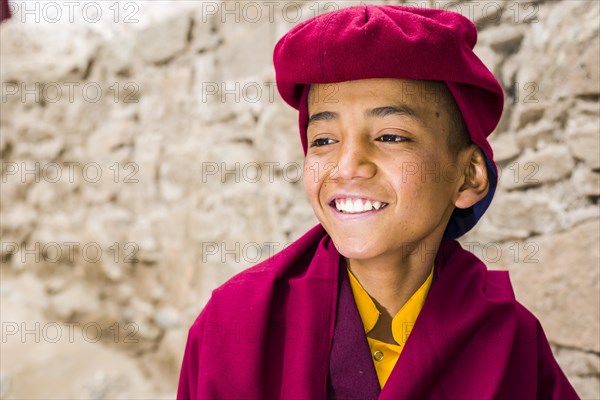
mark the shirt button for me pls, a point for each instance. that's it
(378, 355)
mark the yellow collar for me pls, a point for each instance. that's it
(403, 321)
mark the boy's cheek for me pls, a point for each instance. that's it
(311, 174)
(310, 186)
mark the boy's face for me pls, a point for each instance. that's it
(378, 171)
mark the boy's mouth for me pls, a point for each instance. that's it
(356, 205)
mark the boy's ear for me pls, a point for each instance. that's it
(475, 183)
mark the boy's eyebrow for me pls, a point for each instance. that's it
(379, 112)
(322, 116)
(384, 111)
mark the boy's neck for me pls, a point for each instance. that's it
(391, 281)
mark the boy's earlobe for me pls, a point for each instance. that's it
(475, 184)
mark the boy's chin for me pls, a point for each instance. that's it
(356, 245)
(356, 251)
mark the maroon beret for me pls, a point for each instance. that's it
(392, 41)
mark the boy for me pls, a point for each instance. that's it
(379, 300)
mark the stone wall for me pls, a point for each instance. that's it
(147, 157)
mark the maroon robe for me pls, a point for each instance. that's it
(4, 10)
(270, 332)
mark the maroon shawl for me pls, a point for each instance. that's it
(267, 334)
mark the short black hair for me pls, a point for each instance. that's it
(458, 137)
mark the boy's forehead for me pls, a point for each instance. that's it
(419, 93)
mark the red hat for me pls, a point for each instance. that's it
(391, 41)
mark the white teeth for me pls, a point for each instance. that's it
(357, 206)
(348, 206)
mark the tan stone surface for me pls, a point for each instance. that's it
(549, 164)
(555, 276)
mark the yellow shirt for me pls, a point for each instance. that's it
(385, 355)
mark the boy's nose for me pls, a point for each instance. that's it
(354, 161)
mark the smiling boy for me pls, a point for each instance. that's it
(379, 300)
(384, 215)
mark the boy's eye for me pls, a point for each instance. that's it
(321, 142)
(391, 138)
